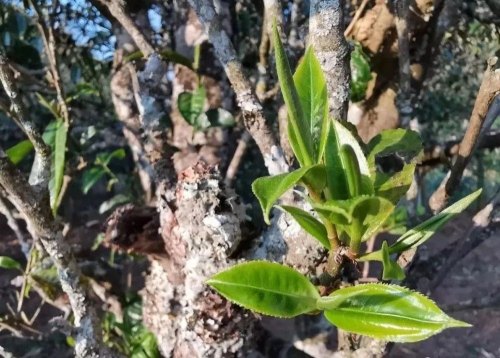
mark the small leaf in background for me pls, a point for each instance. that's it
(58, 164)
(391, 269)
(388, 312)
(18, 152)
(360, 73)
(406, 143)
(116, 200)
(8, 263)
(298, 126)
(105, 158)
(309, 223)
(191, 105)
(220, 118)
(91, 177)
(267, 288)
(336, 166)
(311, 89)
(269, 189)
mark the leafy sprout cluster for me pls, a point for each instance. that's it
(350, 199)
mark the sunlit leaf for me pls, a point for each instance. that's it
(386, 312)
(393, 187)
(267, 288)
(309, 223)
(311, 89)
(404, 142)
(391, 269)
(191, 105)
(422, 232)
(298, 126)
(19, 151)
(269, 189)
(338, 162)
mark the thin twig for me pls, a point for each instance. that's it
(232, 169)
(253, 114)
(490, 88)
(355, 18)
(12, 222)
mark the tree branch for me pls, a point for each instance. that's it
(405, 107)
(42, 224)
(490, 87)
(326, 35)
(117, 9)
(41, 167)
(253, 114)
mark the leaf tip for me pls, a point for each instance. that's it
(455, 323)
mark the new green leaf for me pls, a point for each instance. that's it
(58, 164)
(267, 288)
(191, 105)
(404, 142)
(8, 263)
(339, 163)
(391, 271)
(421, 233)
(19, 151)
(271, 188)
(386, 312)
(311, 89)
(393, 187)
(298, 126)
(309, 223)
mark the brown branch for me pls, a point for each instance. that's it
(41, 168)
(232, 169)
(490, 87)
(326, 35)
(253, 114)
(355, 18)
(117, 9)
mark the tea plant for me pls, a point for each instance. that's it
(351, 199)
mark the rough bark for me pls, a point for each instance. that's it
(326, 35)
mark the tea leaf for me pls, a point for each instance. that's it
(394, 187)
(271, 188)
(361, 73)
(309, 223)
(311, 89)
(386, 312)
(58, 164)
(391, 271)
(337, 163)
(9, 263)
(191, 105)
(404, 142)
(19, 151)
(267, 288)
(298, 126)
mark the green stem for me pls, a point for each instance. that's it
(355, 242)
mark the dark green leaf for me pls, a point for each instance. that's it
(8, 263)
(360, 73)
(116, 200)
(311, 89)
(267, 288)
(309, 223)
(338, 163)
(386, 312)
(91, 177)
(391, 271)
(191, 105)
(269, 189)
(18, 152)
(300, 139)
(105, 158)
